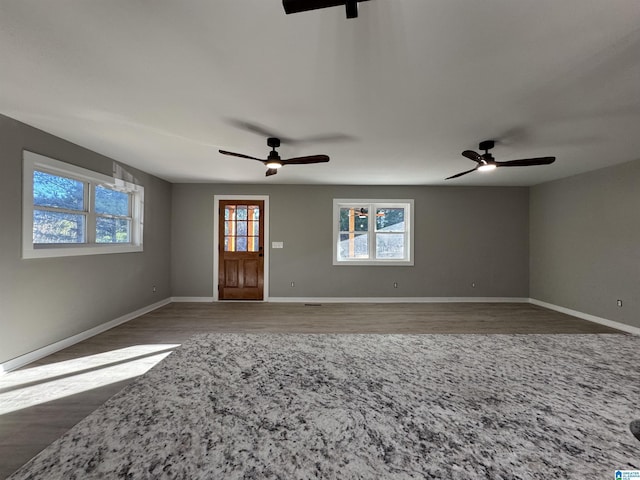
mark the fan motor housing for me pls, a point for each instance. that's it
(273, 142)
(487, 145)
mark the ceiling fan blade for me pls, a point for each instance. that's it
(266, 132)
(471, 155)
(323, 138)
(306, 160)
(295, 6)
(271, 171)
(461, 174)
(260, 130)
(233, 154)
(527, 162)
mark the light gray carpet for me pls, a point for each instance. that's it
(274, 406)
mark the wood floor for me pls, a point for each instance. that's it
(23, 433)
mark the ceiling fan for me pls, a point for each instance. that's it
(486, 161)
(274, 162)
(295, 6)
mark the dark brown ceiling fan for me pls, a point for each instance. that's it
(273, 162)
(295, 6)
(486, 162)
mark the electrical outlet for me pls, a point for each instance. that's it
(395, 284)
(619, 303)
(473, 284)
(293, 284)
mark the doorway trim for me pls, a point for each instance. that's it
(216, 251)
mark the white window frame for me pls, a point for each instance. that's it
(371, 205)
(33, 161)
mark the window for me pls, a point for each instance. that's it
(68, 210)
(241, 228)
(372, 232)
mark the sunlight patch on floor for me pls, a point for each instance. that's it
(33, 386)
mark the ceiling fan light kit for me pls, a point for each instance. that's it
(487, 167)
(486, 162)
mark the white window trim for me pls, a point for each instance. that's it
(408, 204)
(33, 161)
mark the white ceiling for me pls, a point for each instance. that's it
(403, 89)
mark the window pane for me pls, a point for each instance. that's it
(241, 212)
(229, 213)
(59, 192)
(241, 245)
(254, 228)
(229, 244)
(242, 229)
(254, 212)
(56, 227)
(390, 245)
(361, 222)
(353, 245)
(112, 202)
(344, 219)
(390, 219)
(354, 219)
(112, 230)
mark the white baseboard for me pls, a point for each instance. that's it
(586, 316)
(399, 299)
(363, 300)
(27, 358)
(192, 299)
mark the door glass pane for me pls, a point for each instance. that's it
(253, 244)
(390, 245)
(353, 246)
(57, 227)
(242, 228)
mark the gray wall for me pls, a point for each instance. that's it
(46, 300)
(585, 242)
(574, 242)
(462, 235)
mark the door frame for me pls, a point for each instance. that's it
(216, 242)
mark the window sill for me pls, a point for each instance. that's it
(73, 251)
(374, 263)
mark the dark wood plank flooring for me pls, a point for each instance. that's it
(25, 432)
